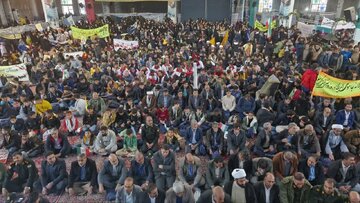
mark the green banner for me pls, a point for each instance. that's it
(100, 32)
(331, 87)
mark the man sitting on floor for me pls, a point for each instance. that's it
(20, 176)
(83, 176)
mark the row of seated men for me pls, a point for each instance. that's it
(160, 172)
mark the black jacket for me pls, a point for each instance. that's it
(33, 123)
(159, 199)
(27, 173)
(59, 172)
(90, 174)
(148, 174)
(234, 163)
(319, 172)
(52, 122)
(335, 173)
(260, 193)
(249, 191)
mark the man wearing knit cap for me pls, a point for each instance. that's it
(179, 193)
(240, 190)
(335, 144)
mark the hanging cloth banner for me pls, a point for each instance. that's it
(100, 32)
(14, 36)
(125, 44)
(15, 71)
(331, 87)
(263, 28)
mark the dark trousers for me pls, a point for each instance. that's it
(15, 185)
(109, 182)
(57, 189)
(164, 182)
(147, 150)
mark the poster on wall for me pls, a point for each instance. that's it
(90, 12)
(286, 7)
(50, 10)
(171, 11)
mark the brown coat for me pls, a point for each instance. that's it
(152, 103)
(352, 139)
(278, 165)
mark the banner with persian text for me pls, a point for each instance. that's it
(331, 87)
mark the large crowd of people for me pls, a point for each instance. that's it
(188, 93)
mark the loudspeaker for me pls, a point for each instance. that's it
(350, 14)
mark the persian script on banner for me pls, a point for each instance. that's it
(100, 32)
(74, 54)
(125, 44)
(15, 71)
(331, 87)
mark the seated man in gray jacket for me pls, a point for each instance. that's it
(190, 171)
(217, 173)
(164, 168)
(113, 174)
(129, 192)
(179, 192)
(105, 142)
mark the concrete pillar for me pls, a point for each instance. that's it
(76, 7)
(4, 20)
(339, 8)
(34, 9)
(106, 7)
(8, 10)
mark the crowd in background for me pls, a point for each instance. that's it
(143, 112)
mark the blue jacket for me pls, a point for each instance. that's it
(189, 135)
(340, 118)
(245, 105)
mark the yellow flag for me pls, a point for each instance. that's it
(212, 41)
(225, 39)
